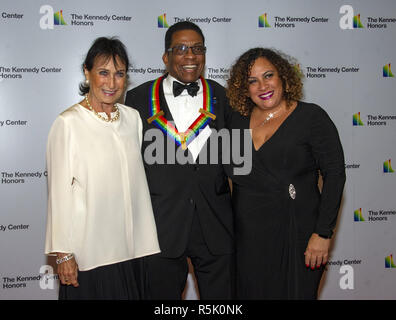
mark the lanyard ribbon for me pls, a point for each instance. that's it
(181, 138)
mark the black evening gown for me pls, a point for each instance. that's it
(124, 280)
(272, 229)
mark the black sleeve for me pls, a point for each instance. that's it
(130, 98)
(221, 96)
(328, 153)
(138, 98)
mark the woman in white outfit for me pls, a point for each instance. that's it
(100, 220)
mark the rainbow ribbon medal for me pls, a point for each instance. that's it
(181, 138)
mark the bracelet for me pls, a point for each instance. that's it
(65, 258)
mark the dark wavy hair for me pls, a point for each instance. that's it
(108, 48)
(237, 84)
(179, 26)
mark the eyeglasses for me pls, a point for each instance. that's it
(183, 49)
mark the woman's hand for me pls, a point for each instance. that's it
(317, 252)
(68, 271)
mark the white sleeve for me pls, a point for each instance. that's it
(60, 179)
(140, 129)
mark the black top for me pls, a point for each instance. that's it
(272, 229)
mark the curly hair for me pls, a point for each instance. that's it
(238, 86)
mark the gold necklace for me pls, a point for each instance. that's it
(99, 116)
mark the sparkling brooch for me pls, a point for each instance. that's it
(292, 191)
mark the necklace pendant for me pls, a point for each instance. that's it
(183, 140)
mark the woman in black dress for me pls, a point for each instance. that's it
(283, 222)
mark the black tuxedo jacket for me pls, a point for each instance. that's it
(178, 191)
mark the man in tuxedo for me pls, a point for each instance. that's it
(191, 200)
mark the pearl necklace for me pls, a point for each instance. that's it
(99, 116)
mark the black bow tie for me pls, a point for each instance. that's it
(192, 88)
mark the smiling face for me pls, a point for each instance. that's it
(265, 87)
(188, 67)
(107, 81)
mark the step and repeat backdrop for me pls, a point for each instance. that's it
(345, 49)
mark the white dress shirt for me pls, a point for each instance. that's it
(99, 205)
(184, 110)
